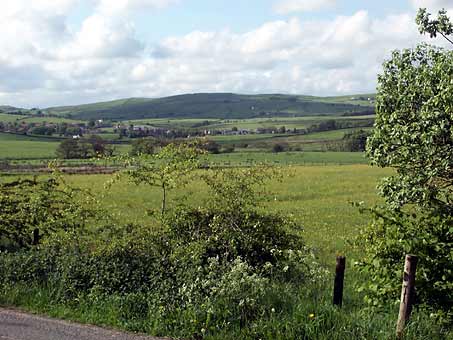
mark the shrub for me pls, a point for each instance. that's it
(34, 209)
(394, 234)
(279, 147)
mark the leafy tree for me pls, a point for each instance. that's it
(355, 141)
(96, 144)
(82, 148)
(169, 168)
(238, 189)
(42, 130)
(413, 130)
(144, 146)
(68, 149)
(279, 147)
(73, 131)
(414, 135)
(210, 146)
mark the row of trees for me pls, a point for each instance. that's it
(44, 129)
(83, 148)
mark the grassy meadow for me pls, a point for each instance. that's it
(318, 197)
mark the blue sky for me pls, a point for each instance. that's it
(238, 16)
(79, 51)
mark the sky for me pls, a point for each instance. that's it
(65, 52)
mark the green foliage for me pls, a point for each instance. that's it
(355, 141)
(209, 146)
(167, 169)
(206, 271)
(83, 148)
(414, 135)
(34, 209)
(144, 146)
(442, 25)
(414, 127)
(391, 236)
(42, 130)
(194, 302)
(279, 147)
(236, 189)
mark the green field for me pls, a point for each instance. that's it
(315, 141)
(9, 118)
(27, 150)
(250, 124)
(24, 147)
(319, 197)
(47, 119)
(14, 146)
(288, 158)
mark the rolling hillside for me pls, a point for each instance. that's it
(215, 105)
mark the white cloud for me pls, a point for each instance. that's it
(290, 6)
(103, 59)
(432, 5)
(48, 7)
(123, 6)
(317, 57)
(103, 37)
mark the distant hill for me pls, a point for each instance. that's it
(217, 105)
(10, 109)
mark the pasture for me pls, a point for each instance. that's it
(250, 123)
(27, 149)
(318, 197)
(9, 118)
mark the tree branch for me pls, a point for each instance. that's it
(449, 40)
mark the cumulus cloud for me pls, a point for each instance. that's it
(122, 6)
(321, 57)
(290, 6)
(103, 58)
(103, 37)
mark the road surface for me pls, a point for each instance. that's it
(16, 325)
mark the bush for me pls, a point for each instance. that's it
(389, 238)
(279, 147)
(31, 210)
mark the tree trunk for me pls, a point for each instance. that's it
(164, 198)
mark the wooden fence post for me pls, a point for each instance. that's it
(339, 281)
(407, 293)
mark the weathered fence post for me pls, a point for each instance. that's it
(36, 236)
(339, 281)
(407, 293)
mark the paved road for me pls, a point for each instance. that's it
(16, 325)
